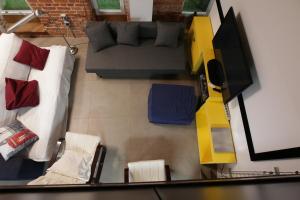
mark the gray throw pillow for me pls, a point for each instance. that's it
(99, 36)
(128, 33)
(167, 34)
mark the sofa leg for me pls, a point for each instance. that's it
(100, 76)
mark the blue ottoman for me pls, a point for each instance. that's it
(171, 104)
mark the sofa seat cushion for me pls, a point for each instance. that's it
(144, 57)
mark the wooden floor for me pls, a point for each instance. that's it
(32, 27)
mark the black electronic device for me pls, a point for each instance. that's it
(229, 52)
(215, 72)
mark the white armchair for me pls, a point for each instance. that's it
(81, 161)
(147, 171)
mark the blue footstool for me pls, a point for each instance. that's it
(171, 104)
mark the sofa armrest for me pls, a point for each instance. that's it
(97, 164)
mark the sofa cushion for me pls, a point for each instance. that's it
(167, 34)
(31, 55)
(48, 119)
(19, 93)
(99, 35)
(145, 57)
(128, 33)
(148, 30)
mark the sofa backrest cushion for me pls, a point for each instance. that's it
(147, 30)
(99, 35)
(128, 34)
(9, 47)
(167, 34)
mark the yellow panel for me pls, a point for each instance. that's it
(202, 35)
(204, 139)
(211, 115)
(196, 56)
(203, 32)
(216, 116)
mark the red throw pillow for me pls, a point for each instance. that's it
(20, 93)
(32, 55)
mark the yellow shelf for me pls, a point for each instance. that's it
(201, 34)
(212, 113)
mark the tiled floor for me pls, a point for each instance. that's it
(116, 110)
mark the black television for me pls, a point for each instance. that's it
(229, 52)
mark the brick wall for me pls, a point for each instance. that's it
(167, 6)
(81, 11)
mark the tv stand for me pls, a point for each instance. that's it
(213, 127)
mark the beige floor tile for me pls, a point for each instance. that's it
(109, 99)
(78, 125)
(80, 99)
(113, 130)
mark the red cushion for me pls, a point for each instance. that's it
(32, 55)
(20, 93)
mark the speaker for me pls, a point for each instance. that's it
(215, 72)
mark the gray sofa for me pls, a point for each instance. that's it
(143, 61)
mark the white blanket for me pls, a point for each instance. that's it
(48, 119)
(52, 178)
(74, 166)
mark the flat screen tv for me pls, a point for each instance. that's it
(229, 52)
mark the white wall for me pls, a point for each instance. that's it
(273, 101)
(141, 10)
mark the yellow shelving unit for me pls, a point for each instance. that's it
(212, 113)
(201, 35)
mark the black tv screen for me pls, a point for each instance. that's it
(229, 52)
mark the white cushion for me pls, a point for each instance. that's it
(47, 119)
(82, 142)
(9, 47)
(77, 159)
(147, 171)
